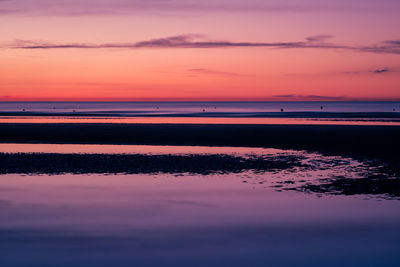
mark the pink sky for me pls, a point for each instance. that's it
(175, 49)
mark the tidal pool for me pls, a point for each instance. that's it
(246, 218)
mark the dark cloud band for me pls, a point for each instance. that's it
(199, 41)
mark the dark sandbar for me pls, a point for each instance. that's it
(295, 114)
(388, 187)
(49, 163)
(369, 141)
(381, 143)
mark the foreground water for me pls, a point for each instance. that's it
(243, 218)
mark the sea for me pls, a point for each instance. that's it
(375, 113)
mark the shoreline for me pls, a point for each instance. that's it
(368, 141)
(55, 163)
(210, 113)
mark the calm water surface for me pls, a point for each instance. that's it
(355, 113)
(193, 107)
(241, 219)
(198, 120)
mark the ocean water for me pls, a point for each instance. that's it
(361, 113)
(247, 218)
(173, 108)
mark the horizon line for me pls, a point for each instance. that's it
(9, 100)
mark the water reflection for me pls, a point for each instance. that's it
(200, 120)
(133, 149)
(280, 169)
(164, 220)
(250, 210)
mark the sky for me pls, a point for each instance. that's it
(199, 50)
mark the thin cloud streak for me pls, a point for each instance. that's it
(348, 72)
(215, 72)
(380, 71)
(9, 11)
(318, 97)
(120, 7)
(199, 41)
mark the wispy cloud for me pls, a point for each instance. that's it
(319, 38)
(199, 41)
(9, 11)
(380, 71)
(214, 72)
(364, 72)
(102, 7)
(310, 97)
(347, 72)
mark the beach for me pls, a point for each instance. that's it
(369, 141)
(198, 194)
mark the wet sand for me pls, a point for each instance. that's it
(246, 114)
(355, 140)
(54, 163)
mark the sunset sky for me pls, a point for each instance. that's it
(199, 50)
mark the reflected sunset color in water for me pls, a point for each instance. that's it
(132, 149)
(210, 220)
(183, 120)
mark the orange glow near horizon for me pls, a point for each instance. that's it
(53, 54)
